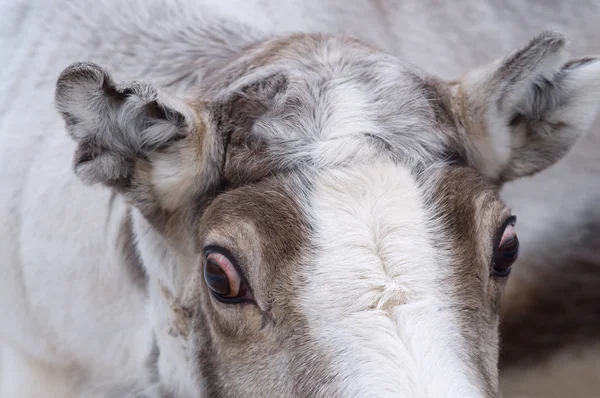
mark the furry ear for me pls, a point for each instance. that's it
(523, 113)
(154, 148)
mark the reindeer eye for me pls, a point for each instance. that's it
(507, 250)
(223, 278)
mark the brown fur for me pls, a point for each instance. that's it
(473, 215)
(265, 229)
(130, 257)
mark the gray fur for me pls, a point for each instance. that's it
(113, 123)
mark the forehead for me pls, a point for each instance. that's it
(308, 104)
(279, 219)
(287, 103)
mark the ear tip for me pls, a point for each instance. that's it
(552, 39)
(82, 72)
(79, 77)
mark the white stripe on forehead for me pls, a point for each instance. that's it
(374, 299)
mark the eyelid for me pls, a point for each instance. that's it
(508, 234)
(232, 260)
(512, 219)
(225, 264)
(225, 253)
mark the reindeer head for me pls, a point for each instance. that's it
(318, 218)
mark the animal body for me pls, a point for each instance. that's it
(298, 198)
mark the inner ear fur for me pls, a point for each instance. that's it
(523, 113)
(156, 149)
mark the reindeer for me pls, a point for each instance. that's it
(275, 214)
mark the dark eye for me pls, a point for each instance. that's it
(507, 250)
(223, 278)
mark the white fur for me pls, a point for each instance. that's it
(79, 307)
(584, 86)
(26, 377)
(166, 277)
(377, 287)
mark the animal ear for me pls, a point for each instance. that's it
(523, 113)
(154, 148)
